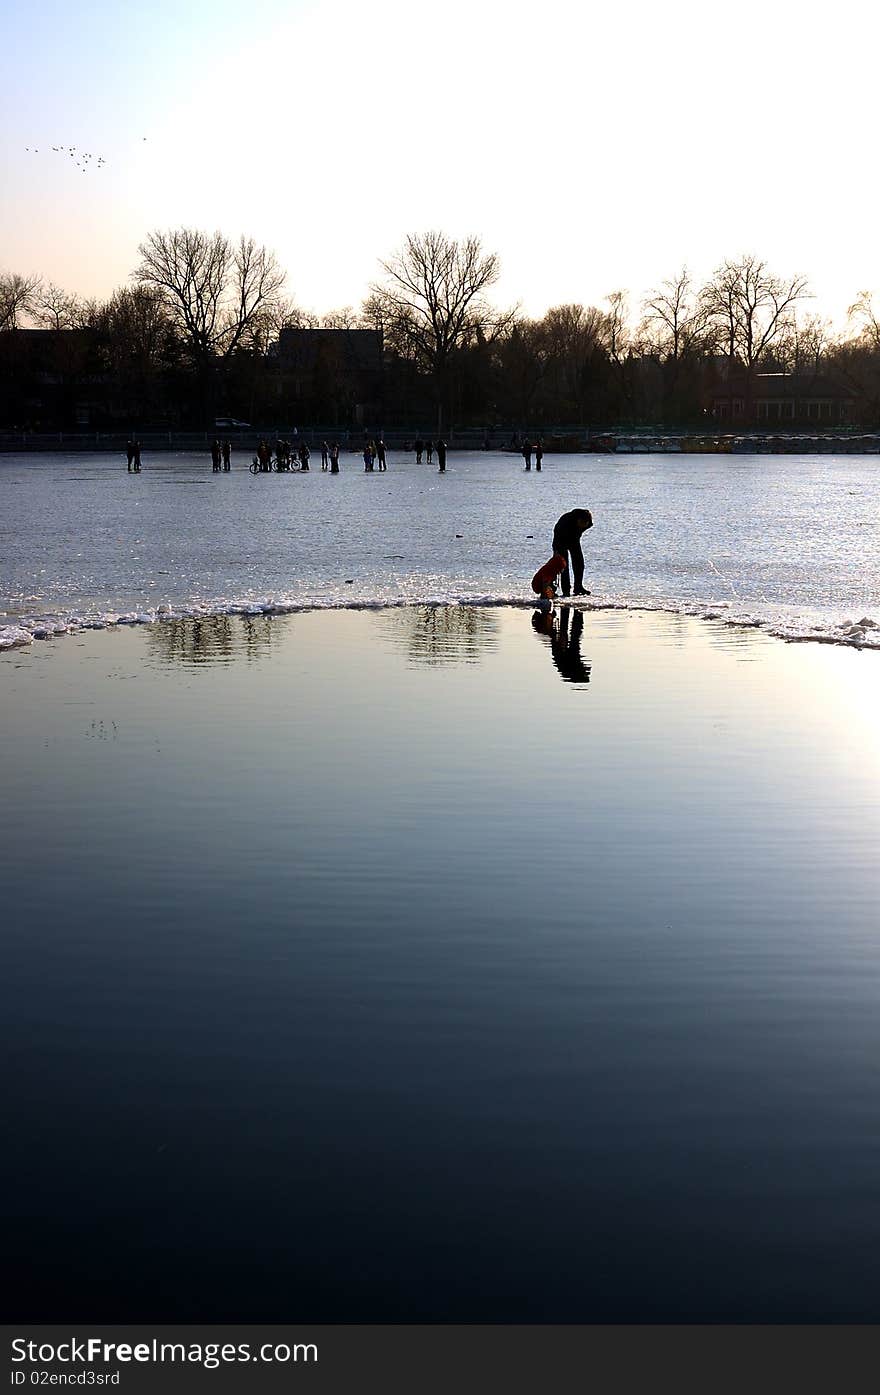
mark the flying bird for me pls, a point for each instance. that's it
(81, 158)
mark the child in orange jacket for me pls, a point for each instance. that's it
(544, 580)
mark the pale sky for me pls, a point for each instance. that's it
(593, 148)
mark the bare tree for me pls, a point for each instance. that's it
(216, 292)
(574, 329)
(674, 321)
(863, 314)
(376, 314)
(856, 358)
(18, 298)
(432, 303)
(132, 339)
(616, 327)
(280, 313)
(526, 355)
(346, 318)
(54, 308)
(750, 307)
(802, 344)
(136, 329)
(620, 346)
(575, 338)
(676, 333)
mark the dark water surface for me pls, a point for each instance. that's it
(368, 967)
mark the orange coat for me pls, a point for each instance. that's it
(546, 576)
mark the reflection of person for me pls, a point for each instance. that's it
(567, 539)
(565, 647)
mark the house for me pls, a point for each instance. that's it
(782, 399)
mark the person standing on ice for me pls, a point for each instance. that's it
(567, 540)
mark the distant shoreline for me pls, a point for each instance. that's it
(555, 442)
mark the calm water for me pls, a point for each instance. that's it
(429, 964)
(790, 542)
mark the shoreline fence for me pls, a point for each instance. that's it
(559, 439)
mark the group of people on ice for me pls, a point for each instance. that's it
(221, 455)
(293, 456)
(374, 453)
(427, 447)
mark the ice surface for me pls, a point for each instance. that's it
(788, 544)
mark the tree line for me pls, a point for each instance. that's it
(196, 334)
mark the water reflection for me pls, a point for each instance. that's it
(211, 639)
(742, 642)
(444, 634)
(564, 630)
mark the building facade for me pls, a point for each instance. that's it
(782, 399)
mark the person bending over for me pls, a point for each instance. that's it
(567, 539)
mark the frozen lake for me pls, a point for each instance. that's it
(791, 543)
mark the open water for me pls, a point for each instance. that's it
(440, 964)
(790, 544)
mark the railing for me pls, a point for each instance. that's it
(559, 438)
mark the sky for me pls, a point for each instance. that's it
(593, 147)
